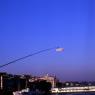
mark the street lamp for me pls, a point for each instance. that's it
(58, 49)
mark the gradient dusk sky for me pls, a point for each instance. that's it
(27, 26)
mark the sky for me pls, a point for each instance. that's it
(28, 26)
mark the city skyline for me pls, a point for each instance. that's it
(30, 26)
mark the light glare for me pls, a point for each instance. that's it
(59, 49)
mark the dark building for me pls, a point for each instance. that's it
(10, 83)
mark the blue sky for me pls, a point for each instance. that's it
(27, 26)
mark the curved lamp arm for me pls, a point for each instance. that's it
(57, 49)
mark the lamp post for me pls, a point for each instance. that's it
(58, 49)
